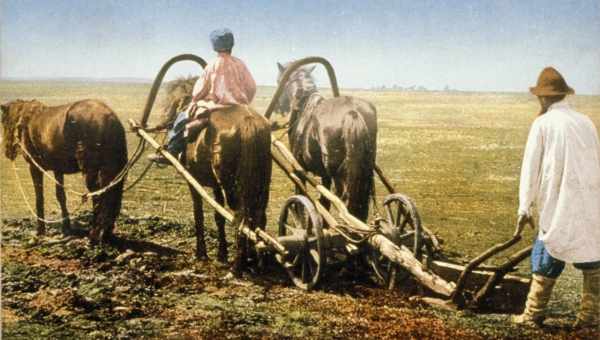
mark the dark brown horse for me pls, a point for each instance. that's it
(335, 138)
(86, 137)
(232, 156)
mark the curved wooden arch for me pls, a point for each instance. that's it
(293, 67)
(159, 78)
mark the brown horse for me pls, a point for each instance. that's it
(83, 136)
(231, 156)
(334, 138)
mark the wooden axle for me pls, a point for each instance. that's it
(291, 244)
(259, 235)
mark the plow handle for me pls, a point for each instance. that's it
(460, 284)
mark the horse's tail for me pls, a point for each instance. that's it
(113, 164)
(254, 170)
(358, 164)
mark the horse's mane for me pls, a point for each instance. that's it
(178, 96)
(178, 89)
(13, 122)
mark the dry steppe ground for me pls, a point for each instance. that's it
(456, 154)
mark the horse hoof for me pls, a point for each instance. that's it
(202, 257)
(222, 257)
(108, 238)
(238, 268)
(94, 237)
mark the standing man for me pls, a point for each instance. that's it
(561, 176)
(226, 81)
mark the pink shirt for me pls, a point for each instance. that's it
(225, 81)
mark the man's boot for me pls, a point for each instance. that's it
(537, 300)
(589, 312)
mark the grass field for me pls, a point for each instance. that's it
(456, 154)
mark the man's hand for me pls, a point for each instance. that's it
(192, 109)
(522, 220)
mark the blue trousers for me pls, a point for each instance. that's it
(542, 263)
(175, 138)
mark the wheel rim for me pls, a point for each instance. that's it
(299, 217)
(403, 228)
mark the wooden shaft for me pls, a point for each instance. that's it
(260, 235)
(272, 241)
(182, 170)
(329, 219)
(342, 210)
(386, 182)
(296, 167)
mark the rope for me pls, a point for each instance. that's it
(346, 235)
(116, 180)
(29, 207)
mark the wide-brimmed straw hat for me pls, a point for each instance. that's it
(551, 83)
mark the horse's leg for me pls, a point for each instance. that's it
(199, 225)
(38, 185)
(239, 263)
(220, 220)
(110, 201)
(91, 182)
(241, 250)
(62, 201)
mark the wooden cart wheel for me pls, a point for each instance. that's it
(299, 217)
(403, 228)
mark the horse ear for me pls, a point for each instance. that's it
(281, 68)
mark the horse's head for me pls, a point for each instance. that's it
(15, 114)
(300, 85)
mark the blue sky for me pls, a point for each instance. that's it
(469, 45)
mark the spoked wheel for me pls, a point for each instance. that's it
(402, 225)
(304, 264)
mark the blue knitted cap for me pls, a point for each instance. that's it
(221, 39)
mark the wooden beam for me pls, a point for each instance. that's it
(405, 258)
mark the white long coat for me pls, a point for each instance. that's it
(561, 174)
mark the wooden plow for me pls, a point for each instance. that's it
(309, 234)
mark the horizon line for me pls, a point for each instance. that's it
(375, 88)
